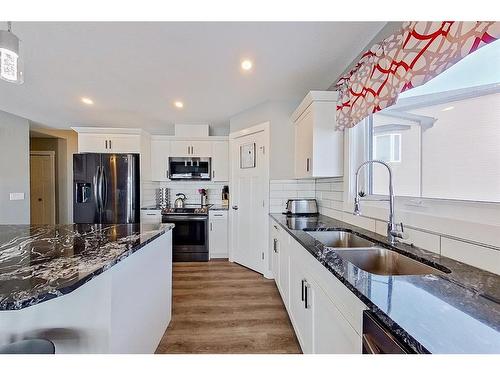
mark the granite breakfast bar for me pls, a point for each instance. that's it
(88, 288)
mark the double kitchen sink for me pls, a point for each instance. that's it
(369, 257)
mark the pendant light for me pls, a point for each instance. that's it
(11, 63)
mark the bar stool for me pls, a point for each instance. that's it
(32, 346)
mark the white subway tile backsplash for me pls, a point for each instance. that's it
(189, 188)
(477, 256)
(282, 190)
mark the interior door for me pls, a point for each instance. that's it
(250, 187)
(42, 188)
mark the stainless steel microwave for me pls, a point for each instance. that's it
(189, 168)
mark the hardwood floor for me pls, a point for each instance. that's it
(222, 307)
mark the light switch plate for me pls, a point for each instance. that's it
(16, 196)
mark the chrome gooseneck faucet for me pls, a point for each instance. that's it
(392, 231)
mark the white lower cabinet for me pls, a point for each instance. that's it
(331, 331)
(275, 253)
(325, 315)
(151, 216)
(218, 237)
(301, 305)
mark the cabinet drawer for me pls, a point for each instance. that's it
(218, 215)
(151, 216)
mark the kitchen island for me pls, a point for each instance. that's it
(89, 288)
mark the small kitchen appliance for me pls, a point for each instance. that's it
(301, 206)
(180, 201)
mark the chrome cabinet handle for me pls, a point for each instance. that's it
(211, 227)
(213, 173)
(235, 207)
(307, 164)
(110, 147)
(275, 245)
(303, 282)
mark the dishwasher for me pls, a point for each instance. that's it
(378, 340)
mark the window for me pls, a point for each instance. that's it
(387, 147)
(442, 138)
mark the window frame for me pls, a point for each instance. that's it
(392, 137)
(410, 200)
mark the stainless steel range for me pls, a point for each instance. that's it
(190, 235)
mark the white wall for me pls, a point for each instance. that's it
(281, 133)
(14, 169)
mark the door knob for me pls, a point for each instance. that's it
(235, 207)
(40, 199)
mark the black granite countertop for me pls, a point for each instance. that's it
(41, 262)
(457, 312)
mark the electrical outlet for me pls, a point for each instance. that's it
(16, 196)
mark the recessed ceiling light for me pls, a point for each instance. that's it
(87, 101)
(179, 104)
(246, 64)
(448, 108)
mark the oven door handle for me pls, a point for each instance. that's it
(184, 218)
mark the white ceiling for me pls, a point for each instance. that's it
(134, 71)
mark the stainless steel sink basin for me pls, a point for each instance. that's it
(381, 261)
(340, 239)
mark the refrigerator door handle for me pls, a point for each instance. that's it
(97, 189)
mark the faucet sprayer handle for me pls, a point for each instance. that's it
(400, 233)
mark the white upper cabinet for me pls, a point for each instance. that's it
(160, 152)
(93, 143)
(318, 146)
(180, 148)
(220, 161)
(191, 148)
(108, 142)
(201, 149)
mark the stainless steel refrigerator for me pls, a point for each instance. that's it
(106, 188)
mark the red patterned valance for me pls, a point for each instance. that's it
(418, 53)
